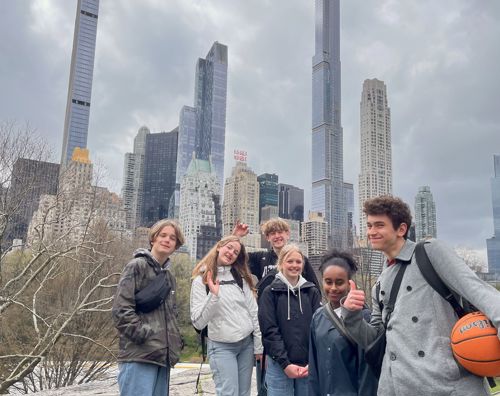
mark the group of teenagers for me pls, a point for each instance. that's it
(306, 344)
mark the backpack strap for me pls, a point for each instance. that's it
(338, 323)
(433, 279)
(394, 292)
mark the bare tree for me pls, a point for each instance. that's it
(471, 258)
(56, 293)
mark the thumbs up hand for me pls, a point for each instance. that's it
(355, 299)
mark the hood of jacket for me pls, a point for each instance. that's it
(295, 289)
(141, 252)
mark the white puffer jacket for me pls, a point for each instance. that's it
(231, 316)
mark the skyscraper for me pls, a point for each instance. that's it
(133, 178)
(76, 122)
(30, 179)
(241, 202)
(160, 163)
(376, 154)
(187, 139)
(290, 202)
(268, 191)
(425, 214)
(493, 243)
(210, 103)
(327, 134)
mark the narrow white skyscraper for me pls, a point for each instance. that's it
(376, 154)
(76, 122)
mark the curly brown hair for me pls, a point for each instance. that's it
(209, 262)
(393, 207)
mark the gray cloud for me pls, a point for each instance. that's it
(438, 59)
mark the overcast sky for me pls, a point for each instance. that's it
(439, 59)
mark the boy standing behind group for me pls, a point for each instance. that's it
(277, 233)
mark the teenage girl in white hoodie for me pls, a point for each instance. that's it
(222, 297)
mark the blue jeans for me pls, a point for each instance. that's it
(278, 384)
(143, 379)
(231, 364)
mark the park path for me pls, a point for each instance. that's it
(182, 383)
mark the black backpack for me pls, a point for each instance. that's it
(461, 306)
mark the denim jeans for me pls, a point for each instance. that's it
(143, 379)
(231, 364)
(278, 384)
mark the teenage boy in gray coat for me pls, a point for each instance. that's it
(418, 358)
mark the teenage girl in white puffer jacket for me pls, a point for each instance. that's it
(229, 308)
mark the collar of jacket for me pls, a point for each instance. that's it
(146, 253)
(406, 252)
(278, 285)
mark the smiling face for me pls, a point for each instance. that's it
(335, 284)
(228, 253)
(383, 236)
(278, 239)
(292, 266)
(164, 244)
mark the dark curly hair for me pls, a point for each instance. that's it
(394, 207)
(341, 259)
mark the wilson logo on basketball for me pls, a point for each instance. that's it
(481, 324)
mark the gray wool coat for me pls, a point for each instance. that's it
(418, 358)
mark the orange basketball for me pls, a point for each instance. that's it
(475, 345)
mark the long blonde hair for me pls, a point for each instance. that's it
(209, 262)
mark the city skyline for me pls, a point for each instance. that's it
(269, 87)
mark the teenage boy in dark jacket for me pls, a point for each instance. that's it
(150, 343)
(277, 233)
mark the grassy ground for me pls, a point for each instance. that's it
(496, 389)
(192, 346)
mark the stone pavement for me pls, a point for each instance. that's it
(182, 383)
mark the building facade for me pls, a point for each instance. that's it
(376, 153)
(315, 236)
(493, 243)
(425, 214)
(30, 179)
(77, 208)
(327, 135)
(268, 191)
(290, 202)
(76, 122)
(241, 202)
(186, 144)
(133, 178)
(160, 164)
(349, 203)
(199, 212)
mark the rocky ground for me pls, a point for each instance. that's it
(182, 383)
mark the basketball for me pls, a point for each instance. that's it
(475, 345)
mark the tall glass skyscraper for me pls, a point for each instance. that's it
(493, 243)
(327, 134)
(187, 140)
(210, 103)
(76, 122)
(160, 163)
